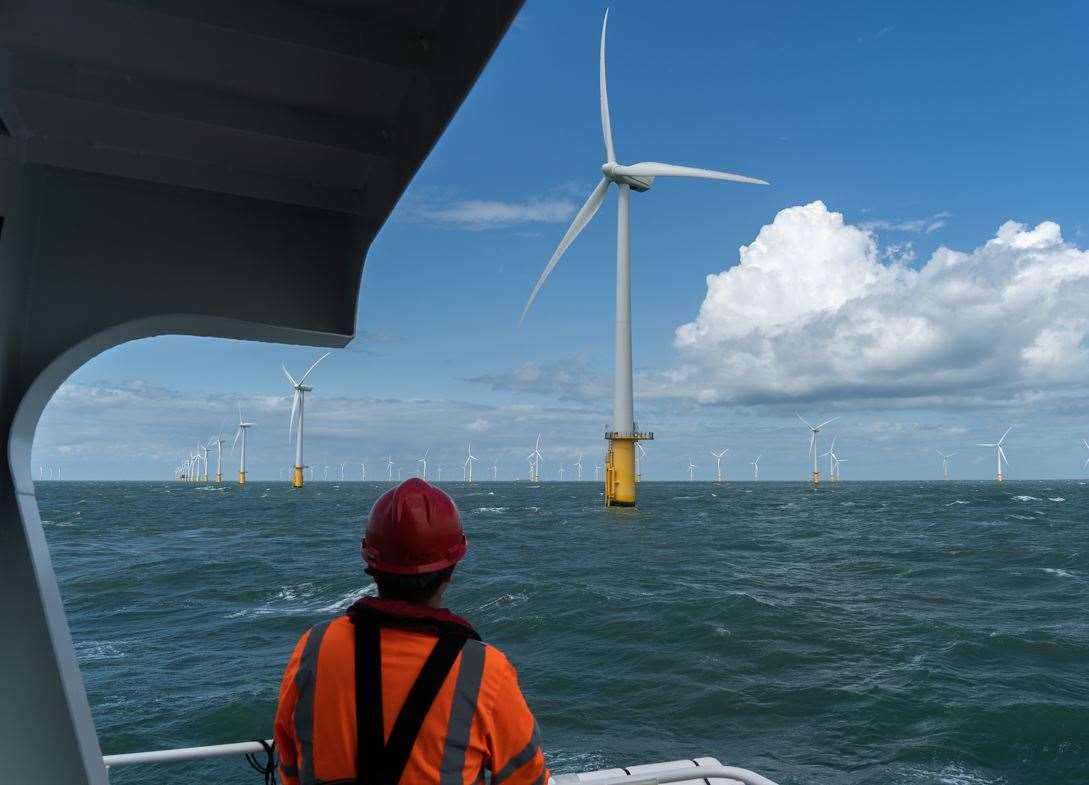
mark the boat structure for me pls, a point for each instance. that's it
(146, 149)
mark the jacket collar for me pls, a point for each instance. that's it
(410, 615)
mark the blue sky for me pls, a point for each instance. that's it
(915, 128)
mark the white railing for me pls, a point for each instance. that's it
(679, 773)
(185, 753)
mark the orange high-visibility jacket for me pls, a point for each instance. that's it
(479, 720)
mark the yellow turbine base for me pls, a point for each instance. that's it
(297, 477)
(620, 473)
(816, 478)
(999, 478)
(241, 478)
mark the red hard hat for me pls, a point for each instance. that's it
(412, 529)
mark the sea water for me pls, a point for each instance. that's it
(909, 632)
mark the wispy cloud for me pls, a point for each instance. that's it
(927, 225)
(480, 214)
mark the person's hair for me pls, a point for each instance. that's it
(410, 588)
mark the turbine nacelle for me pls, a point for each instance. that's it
(640, 184)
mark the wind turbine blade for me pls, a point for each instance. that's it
(236, 435)
(294, 409)
(1007, 433)
(240, 419)
(1086, 443)
(606, 123)
(807, 425)
(1003, 454)
(589, 209)
(288, 375)
(655, 169)
(1086, 463)
(986, 445)
(312, 367)
(812, 441)
(827, 421)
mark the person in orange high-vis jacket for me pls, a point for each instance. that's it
(400, 690)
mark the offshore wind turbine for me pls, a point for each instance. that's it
(469, 458)
(620, 464)
(342, 464)
(832, 460)
(1086, 443)
(243, 426)
(999, 453)
(363, 470)
(718, 462)
(814, 430)
(422, 460)
(756, 467)
(218, 441)
(204, 452)
(691, 468)
(389, 468)
(535, 461)
(640, 453)
(562, 469)
(597, 473)
(578, 468)
(297, 405)
(945, 463)
(495, 470)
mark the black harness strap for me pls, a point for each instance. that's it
(377, 762)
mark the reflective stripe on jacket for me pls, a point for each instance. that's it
(479, 721)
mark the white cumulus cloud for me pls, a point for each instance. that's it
(817, 310)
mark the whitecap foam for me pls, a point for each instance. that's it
(1057, 572)
(1024, 498)
(98, 650)
(491, 509)
(342, 604)
(1056, 499)
(957, 501)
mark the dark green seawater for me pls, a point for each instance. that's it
(860, 633)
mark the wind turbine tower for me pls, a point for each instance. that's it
(945, 463)
(718, 462)
(620, 474)
(297, 405)
(1086, 443)
(243, 426)
(999, 454)
(814, 430)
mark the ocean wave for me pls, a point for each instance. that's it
(1056, 499)
(1023, 498)
(293, 601)
(951, 774)
(88, 651)
(957, 501)
(1058, 572)
(491, 509)
(505, 599)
